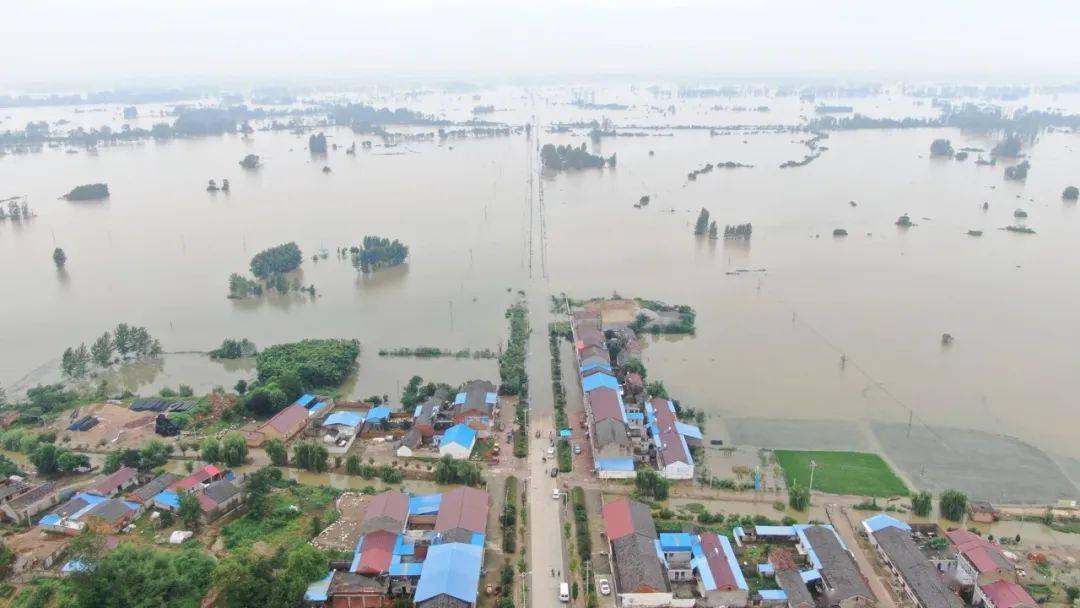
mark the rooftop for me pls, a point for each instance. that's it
(451, 569)
(465, 508)
(838, 568)
(917, 571)
(1007, 594)
(637, 565)
(623, 517)
(109, 484)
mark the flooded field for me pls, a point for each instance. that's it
(159, 252)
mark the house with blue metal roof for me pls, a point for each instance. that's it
(595, 381)
(457, 442)
(880, 521)
(450, 576)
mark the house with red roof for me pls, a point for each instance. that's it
(462, 514)
(388, 512)
(1003, 594)
(641, 577)
(978, 561)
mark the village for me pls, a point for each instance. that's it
(599, 493)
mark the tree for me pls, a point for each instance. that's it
(257, 491)
(276, 260)
(59, 257)
(101, 351)
(310, 456)
(210, 451)
(278, 453)
(234, 450)
(451, 471)
(45, 458)
(1071, 193)
(154, 454)
(68, 462)
(713, 231)
(953, 505)
(799, 498)
(702, 225)
(941, 147)
(190, 511)
(922, 504)
(1072, 592)
(143, 577)
(649, 483)
(241, 386)
(122, 339)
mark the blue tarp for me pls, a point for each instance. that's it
(352, 419)
(565, 433)
(459, 434)
(49, 520)
(881, 520)
(773, 595)
(378, 413)
(637, 416)
(477, 539)
(424, 505)
(491, 398)
(305, 400)
(766, 569)
(452, 569)
(688, 430)
(615, 464)
(74, 566)
(317, 591)
(596, 381)
(318, 407)
(810, 576)
(168, 498)
(459, 398)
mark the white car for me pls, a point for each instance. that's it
(551, 452)
(555, 493)
(605, 587)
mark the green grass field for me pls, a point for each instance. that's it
(841, 473)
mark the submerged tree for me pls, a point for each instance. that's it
(702, 225)
(317, 143)
(101, 351)
(922, 504)
(953, 505)
(59, 257)
(941, 147)
(713, 232)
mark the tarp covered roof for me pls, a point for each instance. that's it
(344, 418)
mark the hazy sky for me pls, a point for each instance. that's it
(148, 41)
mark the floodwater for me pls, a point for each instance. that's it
(159, 252)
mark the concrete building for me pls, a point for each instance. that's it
(1003, 594)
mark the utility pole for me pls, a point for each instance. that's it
(813, 465)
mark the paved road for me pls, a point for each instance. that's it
(545, 528)
(838, 515)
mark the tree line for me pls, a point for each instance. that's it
(127, 341)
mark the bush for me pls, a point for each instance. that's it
(514, 380)
(566, 456)
(799, 498)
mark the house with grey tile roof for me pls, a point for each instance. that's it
(841, 585)
(919, 579)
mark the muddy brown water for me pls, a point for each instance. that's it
(159, 252)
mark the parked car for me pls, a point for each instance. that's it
(554, 471)
(551, 451)
(605, 587)
(577, 449)
(555, 493)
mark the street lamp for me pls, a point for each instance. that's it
(813, 465)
